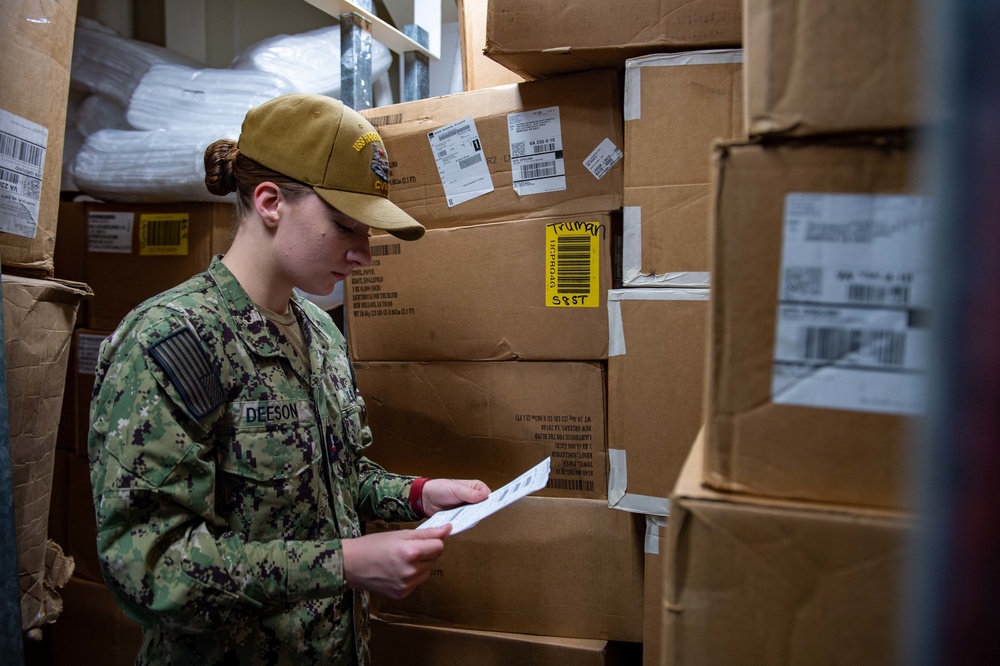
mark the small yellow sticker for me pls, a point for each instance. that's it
(163, 234)
(572, 264)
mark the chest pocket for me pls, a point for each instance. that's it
(269, 456)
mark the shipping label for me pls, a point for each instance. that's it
(164, 234)
(110, 232)
(22, 161)
(854, 303)
(536, 151)
(460, 161)
(603, 158)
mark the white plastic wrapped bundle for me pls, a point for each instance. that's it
(148, 166)
(310, 60)
(107, 63)
(98, 112)
(175, 97)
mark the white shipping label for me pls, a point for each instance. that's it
(22, 161)
(536, 151)
(854, 303)
(87, 351)
(460, 161)
(605, 156)
(110, 232)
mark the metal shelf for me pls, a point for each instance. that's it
(381, 31)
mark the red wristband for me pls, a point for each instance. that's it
(417, 496)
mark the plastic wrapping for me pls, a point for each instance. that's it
(310, 60)
(148, 166)
(98, 112)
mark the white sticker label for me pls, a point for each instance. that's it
(605, 156)
(88, 346)
(536, 151)
(854, 303)
(22, 160)
(110, 232)
(460, 161)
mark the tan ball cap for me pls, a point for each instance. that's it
(323, 143)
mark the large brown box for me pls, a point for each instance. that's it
(92, 630)
(37, 51)
(750, 581)
(157, 246)
(38, 318)
(589, 114)
(544, 565)
(808, 263)
(80, 387)
(676, 106)
(478, 71)
(540, 38)
(657, 362)
(485, 293)
(827, 66)
(490, 421)
(652, 595)
(423, 645)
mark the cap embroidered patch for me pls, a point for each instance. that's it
(380, 163)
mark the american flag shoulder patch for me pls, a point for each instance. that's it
(184, 359)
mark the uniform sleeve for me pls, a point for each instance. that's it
(166, 554)
(383, 495)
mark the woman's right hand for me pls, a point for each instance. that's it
(392, 564)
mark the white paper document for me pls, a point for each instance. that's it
(464, 517)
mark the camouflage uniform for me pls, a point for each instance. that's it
(224, 475)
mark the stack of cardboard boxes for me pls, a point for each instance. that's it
(38, 311)
(788, 526)
(497, 340)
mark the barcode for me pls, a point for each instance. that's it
(466, 162)
(865, 293)
(570, 484)
(11, 177)
(30, 153)
(544, 147)
(441, 154)
(163, 233)
(834, 344)
(573, 264)
(385, 250)
(452, 132)
(543, 170)
(393, 119)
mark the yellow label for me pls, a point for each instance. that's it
(572, 264)
(163, 234)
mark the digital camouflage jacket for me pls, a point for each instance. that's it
(224, 476)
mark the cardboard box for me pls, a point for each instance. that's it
(487, 141)
(70, 255)
(37, 52)
(820, 307)
(827, 66)
(81, 532)
(540, 39)
(38, 318)
(657, 361)
(420, 645)
(157, 245)
(490, 421)
(478, 71)
(750, 582)
(92, 630)
(544, 565)
(493, 292)
(676, 106)
(83, 364)
(652, 595)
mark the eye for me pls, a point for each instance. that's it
(342, 229)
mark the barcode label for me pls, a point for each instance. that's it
(886, 348)
(13, 147)
(570, 484)
(878, 295)
(12, 181)
(543, 146)
(541, 170)
(386, 250)
(163, 234)
(573, 264)
(472, 160)
(392, 119)
(447, 134)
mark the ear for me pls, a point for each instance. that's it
(268, 201)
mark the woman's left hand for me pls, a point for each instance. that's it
(440, 494)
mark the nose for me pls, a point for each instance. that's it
(360, 253)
